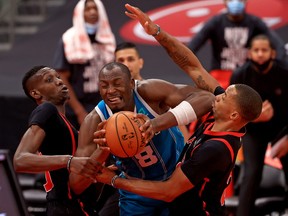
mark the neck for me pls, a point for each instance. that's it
(263, 71)
(225, 126)
(235, 18)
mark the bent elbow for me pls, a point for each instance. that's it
(169, 197)
(16, 164)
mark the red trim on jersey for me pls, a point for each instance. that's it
(71, 133)
(227, 145)
(229, 180)
(49, 183)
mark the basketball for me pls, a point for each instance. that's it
(123, 135)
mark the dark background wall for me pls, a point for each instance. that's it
(38, 49)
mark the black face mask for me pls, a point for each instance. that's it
(263, 66)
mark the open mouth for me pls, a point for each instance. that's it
(64, 89)
(114, 100)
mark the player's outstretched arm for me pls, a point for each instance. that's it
(179, 53)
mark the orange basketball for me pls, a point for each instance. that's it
(123, 135)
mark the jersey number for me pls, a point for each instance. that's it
(146, 157)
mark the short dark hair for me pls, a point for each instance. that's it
(110, 66)
(27, 76)
(126, 45)
(249, 102)
(261, 37)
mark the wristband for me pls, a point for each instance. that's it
(69, 162)
(113, 180)
(158, 31)
(184, 113)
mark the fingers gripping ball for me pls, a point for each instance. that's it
(123, 135)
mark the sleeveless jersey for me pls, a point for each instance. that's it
(158, 159)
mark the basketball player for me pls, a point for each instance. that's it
(128, 54)
(50, 141)
(151, 97)
(197, 184)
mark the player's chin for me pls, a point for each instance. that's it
(115, 106)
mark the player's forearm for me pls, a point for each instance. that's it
(187, 61)
(79, 183)
(33, 163)
(164, 121)
(150, 189)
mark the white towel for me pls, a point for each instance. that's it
(77, 45)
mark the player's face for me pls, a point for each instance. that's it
(224, 104)
(131, 59)
(49, 86)
(261, 51)
(116, 89)
(91, 12)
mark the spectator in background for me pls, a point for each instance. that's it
(270, 78)
(82, 51)
(128, 54)
(230, 34)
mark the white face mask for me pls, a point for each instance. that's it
(91, 28)
(235, 7)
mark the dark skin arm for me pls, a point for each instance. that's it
(87, 148)
(186, 60)
(178, 52)
(27, 159)
(167, 191)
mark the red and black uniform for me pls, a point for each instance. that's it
(272, 86)
(60, 139)
(207, 160)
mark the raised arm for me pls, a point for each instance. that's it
(178, 52)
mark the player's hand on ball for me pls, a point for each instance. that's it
(147, 128)
(99, 135)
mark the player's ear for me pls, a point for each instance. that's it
(234, 115)
(141, 62)
(35, 94)
(273, 54)
(132, 83)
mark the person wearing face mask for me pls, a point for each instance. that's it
(82, 51)
(230, 33)
(269, 77)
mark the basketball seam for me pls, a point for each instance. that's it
(134, 133)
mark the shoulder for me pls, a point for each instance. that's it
(255, 20)
(217, 18)
(281, 64)
(42, 114)
(242, 70)
(151, 85)
(217, 148)
(46, 107)
(68, 33)
(93, 116)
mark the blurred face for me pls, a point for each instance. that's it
(91, 12)
(235, 7)
(47, 85)
(261, 52)
(116, 90)
(131, 59)
(225, 105)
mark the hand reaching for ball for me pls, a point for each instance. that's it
(125, 133)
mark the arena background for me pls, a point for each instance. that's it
(180, 18)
